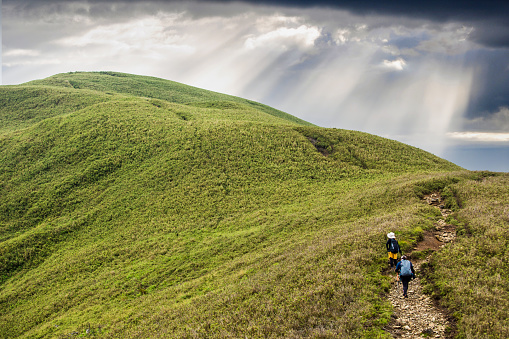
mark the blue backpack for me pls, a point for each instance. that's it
(405, 268)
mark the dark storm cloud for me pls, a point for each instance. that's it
(491, 89)
(434, 9)
(431, 9)
(491, 18)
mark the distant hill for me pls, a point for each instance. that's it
(137, 207)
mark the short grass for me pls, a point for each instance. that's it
(129, 210)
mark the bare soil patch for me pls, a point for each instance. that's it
(429, 242)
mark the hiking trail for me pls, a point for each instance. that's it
(418, 316)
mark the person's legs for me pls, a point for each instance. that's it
(404, 281)
(393, 259)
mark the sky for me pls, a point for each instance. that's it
(434, 75)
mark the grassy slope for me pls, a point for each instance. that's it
(205, 216)
(23, 106)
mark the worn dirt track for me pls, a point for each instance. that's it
(418, 316)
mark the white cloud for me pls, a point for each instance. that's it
(32, 62)
(153, 35)
(302, 37)
(479, 136)
(356, 34)
(451, 39)
(270, 23)
(26, 57)
(22, 53)
(342, 36)
(396, 65)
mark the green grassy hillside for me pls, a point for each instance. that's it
(135, 207)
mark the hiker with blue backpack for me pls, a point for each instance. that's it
(392, 248)
(406, 273)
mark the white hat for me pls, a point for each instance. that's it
(391, 235)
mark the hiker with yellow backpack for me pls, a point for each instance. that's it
(392, 248)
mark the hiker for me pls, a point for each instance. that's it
(392, 248)
(406, 273)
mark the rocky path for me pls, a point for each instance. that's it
(417, 316)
